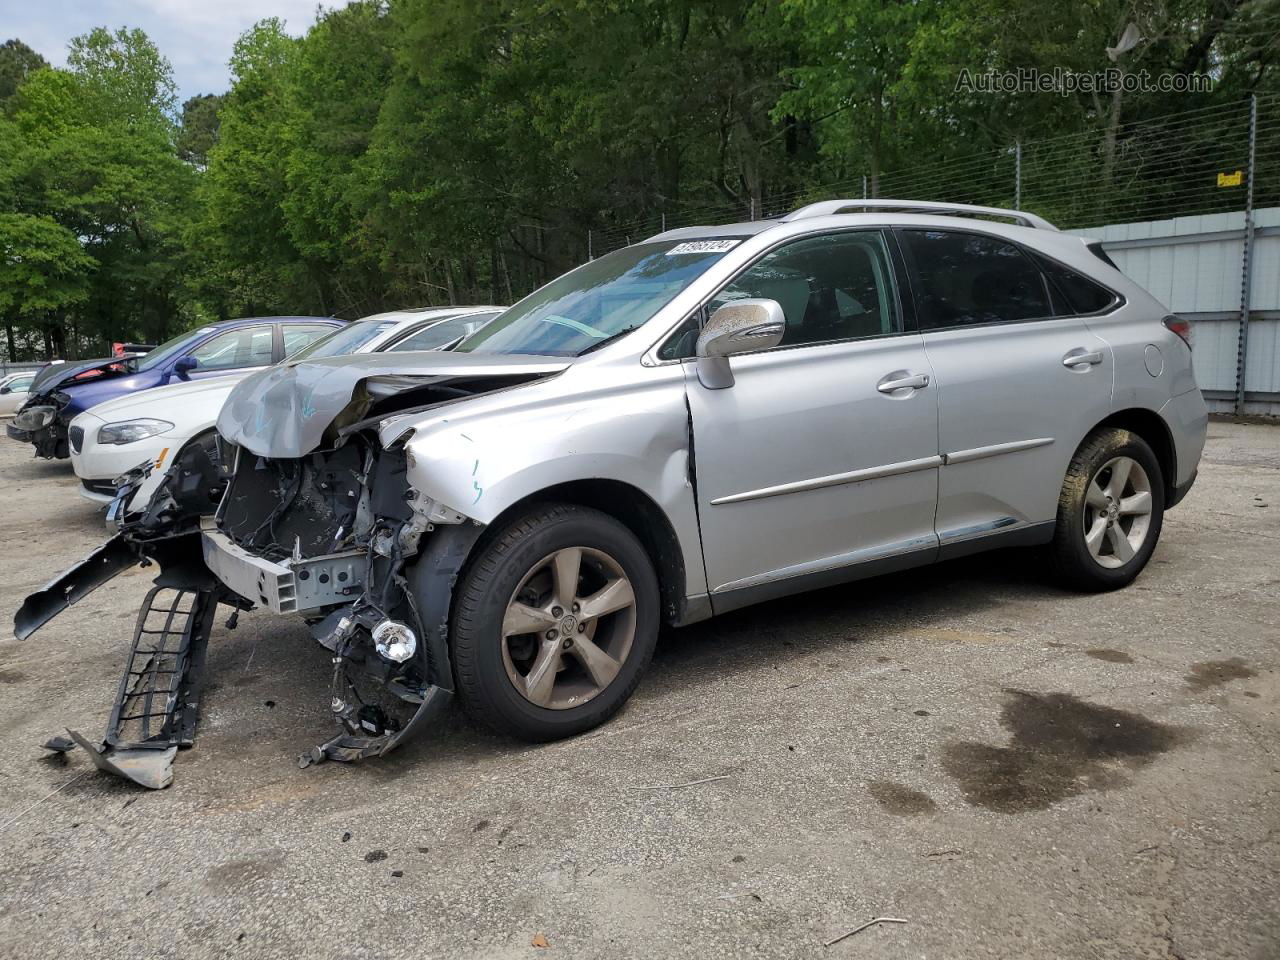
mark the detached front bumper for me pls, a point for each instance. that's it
(291, 586)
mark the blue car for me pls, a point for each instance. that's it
(61, 391)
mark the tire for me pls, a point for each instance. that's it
(501, 675)
(1085, 508)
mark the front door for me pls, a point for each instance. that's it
(823, 455)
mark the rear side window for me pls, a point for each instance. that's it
(1081, 294)
(964, 279)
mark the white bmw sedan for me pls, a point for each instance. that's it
(154, 425)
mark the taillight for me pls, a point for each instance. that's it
(1181, 327)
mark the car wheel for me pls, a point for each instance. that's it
(1109, 512)
(554, 623)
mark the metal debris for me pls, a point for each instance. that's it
(18, 816)
(869, 923)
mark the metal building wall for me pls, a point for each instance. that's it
(1193, 265)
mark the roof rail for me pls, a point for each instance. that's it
(828, 207)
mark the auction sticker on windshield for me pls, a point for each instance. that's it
(703, 246)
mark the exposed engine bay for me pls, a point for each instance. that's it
(335, 534)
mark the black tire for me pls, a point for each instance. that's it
(476, 642)
(1069, 554)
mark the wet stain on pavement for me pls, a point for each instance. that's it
(1061, 746)
(900, 800)
(12, 676)
(1110, 656)
(1214, 673)
(237, 874)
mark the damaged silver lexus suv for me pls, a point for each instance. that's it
(711, 418)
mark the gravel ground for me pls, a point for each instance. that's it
(1014, 770)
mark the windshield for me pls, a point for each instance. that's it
(443, 333)
(600, 300)
(344, 340)
(176, 347)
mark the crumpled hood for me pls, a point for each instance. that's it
(285, 410)
(56, 374)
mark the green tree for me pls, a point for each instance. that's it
(250, 265)
(94, 154)
(199, 128)
(17, 62)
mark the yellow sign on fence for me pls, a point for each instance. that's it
(1231, 179)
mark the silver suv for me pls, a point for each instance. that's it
(711, 418)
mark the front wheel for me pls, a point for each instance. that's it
(555, 621)
(1110, 511)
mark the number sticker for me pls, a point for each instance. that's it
(702, 246)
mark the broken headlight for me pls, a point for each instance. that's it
(34, 418)
(128, 431)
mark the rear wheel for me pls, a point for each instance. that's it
(1110, 511)
(555, 621)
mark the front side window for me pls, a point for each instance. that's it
(601, 300)
(838, 286)
(963, 279)
(246, 347)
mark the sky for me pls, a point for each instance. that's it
(196, 35)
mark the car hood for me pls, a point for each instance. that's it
(163, 402)
(287, 410)
(57, 374)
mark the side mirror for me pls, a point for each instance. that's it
(4, 390)
(184, 365)
(742, 326)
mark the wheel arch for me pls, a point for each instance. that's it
(636, 511)
(1150, 426)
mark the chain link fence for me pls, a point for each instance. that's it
(1181, 164)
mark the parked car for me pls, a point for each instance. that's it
(708, 419)
(114, 437)
(61, 391)
(13, 391)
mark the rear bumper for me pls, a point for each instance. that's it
(1187, 417)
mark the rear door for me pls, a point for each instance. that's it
(1018, 383)
(823, 454)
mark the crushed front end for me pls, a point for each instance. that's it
(337, 536)
(43, 423)
(322, 524)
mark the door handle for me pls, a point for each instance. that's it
(1080, 358)
(917, 382)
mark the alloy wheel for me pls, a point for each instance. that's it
(1117, 512)
(568, 628)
